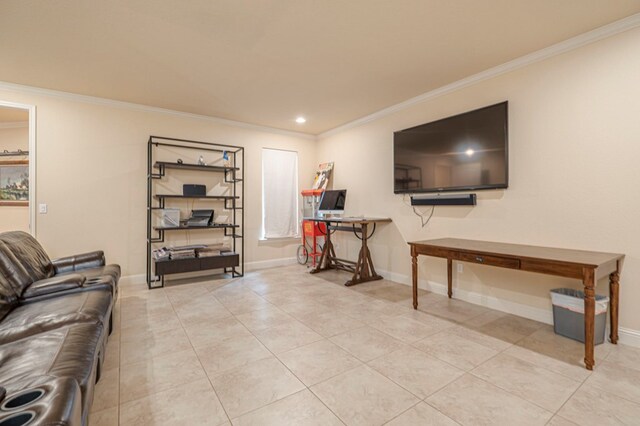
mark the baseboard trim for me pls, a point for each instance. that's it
(249, 266)
(133, 279)
(627, 336)
(491, 302)
(271, 263)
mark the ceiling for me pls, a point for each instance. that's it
(266, 62)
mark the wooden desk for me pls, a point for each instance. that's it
(586, 266)
(362, 269)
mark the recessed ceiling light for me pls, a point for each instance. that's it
(301, 120)
(469, 152)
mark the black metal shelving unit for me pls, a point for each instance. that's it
(230, 262)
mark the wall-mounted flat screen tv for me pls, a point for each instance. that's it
(460, 153)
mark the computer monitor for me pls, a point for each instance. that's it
(332, 202)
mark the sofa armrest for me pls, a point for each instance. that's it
(54, 284)
(93, 259)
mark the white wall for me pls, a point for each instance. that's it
(574, 155)
(91, 171)
(12, 139)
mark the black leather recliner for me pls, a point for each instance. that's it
(55, 317)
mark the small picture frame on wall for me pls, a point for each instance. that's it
(14, 182)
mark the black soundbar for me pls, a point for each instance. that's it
(444, 200)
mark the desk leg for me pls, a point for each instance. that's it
(450, 277)
(364, 270)
(414, 276)
(614, 290)
(588, 280)
(325, 258)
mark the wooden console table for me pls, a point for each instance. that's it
(586, 266)
(362, 269)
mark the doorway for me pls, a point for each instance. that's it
(17, 167)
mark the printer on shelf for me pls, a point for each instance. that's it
(200, 218)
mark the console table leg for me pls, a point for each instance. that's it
(414, 276)
(450, 277)
(614, 290)
(589, 316)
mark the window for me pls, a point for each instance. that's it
(279, 193)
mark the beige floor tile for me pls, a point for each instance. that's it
(285, 297)
(318, 361)
(214, 332)
(302, 408)
(427, 299)
(422, 414)
(159, 374)
(231, 353)
(624, 355)
(112, 354)
(135, 309)
(254, 386)
(153, 343)
(559, 421)
(329, 323)
(264, 318)
(287, 336)
(480, 338)
(243, 303)
(362, 396)
(392, 292)
(371, 311)
(108, 417)
(570, 370)
(367, 343)
(616, 379)
(416, 371)
(183, 293)
(430, 324)
(455, 310)
(471, 401)
(592, 406)
(203, 310)
(192, 404)
(505, 327)
(140, 326)
(453, 349)
(305, 308)
(546, 342)
(264, 287)
(545, 388)
(107, 390)
(403, 328)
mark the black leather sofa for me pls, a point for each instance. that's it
(55, 318)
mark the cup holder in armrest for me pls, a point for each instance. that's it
(21, 399)
(22, 418)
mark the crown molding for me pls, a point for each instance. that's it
(20, 88)
(14, 124)
(576, 42)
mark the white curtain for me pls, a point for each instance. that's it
(279, 193)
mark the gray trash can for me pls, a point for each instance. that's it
(568, 314)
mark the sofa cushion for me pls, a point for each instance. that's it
(77, 262)
(54, 284)
(32, 318)
(70, 351)
(29, 255)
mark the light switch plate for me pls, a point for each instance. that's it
(42, 208)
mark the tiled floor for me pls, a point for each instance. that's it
(283, 347)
